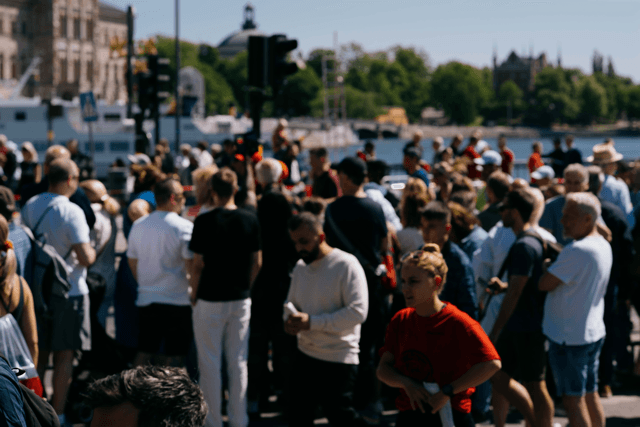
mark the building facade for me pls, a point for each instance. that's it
(73, 40)
(521, 70)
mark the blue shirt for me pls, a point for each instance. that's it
(616, 191)
(11, 407)
(63, 226)
(551, 219)
(22, 248)
(460, 288)
(473, 241)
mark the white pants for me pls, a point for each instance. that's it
(223, 327)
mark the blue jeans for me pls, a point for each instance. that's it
(575, 367)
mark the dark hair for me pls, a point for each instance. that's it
(369, 144)
(147, 176)
(224, 182)
(164, 396)
(319, 152)
(305, 218)
(521, 201)
(436, 211)
(60, 170)
(202, 145)
(314, 205)
(465, 198)
(164, 190)
(498, 182)
(377, 169)
(461, 183)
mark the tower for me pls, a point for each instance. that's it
(249, 13)
(559, 57)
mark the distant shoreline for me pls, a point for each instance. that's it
(520, 132)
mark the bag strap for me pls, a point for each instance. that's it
(35, 228)
(344, 241)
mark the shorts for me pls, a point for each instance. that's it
(523, 355)
(575, 367)
(69, 326)
(165, 329)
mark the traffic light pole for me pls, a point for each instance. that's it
(130, 12)
(256, 99)
(177, 81)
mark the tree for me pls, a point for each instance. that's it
(593, 100)
(299, 92)
(555, 96)
(235, 72)
(633, 106)
(461, 90)
(511, 98)
(314, 61)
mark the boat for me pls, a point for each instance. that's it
(113, 134)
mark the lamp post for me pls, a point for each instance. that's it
(177, 94)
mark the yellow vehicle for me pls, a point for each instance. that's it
(394, 115)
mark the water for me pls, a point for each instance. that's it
(390, 150)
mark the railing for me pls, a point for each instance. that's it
(520, 169)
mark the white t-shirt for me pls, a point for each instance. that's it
(160, 243)
(573, 312)
(333, 292)
(64, 226)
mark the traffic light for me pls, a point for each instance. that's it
(144, 93)
(158, 82)
(258, 61)
(279, 66)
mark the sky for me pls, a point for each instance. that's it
(463, 30)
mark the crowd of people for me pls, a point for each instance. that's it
(318, 284)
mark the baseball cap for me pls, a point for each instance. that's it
(543, 172)
(489, 158)
(353, 167)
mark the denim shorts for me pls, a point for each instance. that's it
(575, 367)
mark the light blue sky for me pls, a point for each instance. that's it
(463, 30)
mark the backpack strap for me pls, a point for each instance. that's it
(35, 228)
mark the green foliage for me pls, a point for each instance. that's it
(633, 103)
(299, 92)
(462, 90)
(510, 93)
(554, 96)
(593, 100)
(361, 104)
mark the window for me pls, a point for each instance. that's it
(63, 26)
(14, 67)
(112, 117)
(89, 71)
(99, 146)
(122, 146)
(90, 29)
(63, 71)
(1, 24)
(76, 28)
(21, 116)
(76, 70)
(1, 65)
(24, 28)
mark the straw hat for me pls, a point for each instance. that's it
(604, 153)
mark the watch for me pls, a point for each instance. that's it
(447, 390)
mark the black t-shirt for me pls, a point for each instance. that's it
(278, 251)
(362, 222)
(325, 186)
(226, 239)
(526, 260)
(572, 156)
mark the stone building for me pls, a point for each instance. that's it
(521, 70)
(72, 38)
(238, 41)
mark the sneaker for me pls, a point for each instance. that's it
(605, 391)
(372, 414)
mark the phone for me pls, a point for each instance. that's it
(290, 309)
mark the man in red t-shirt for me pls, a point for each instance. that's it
(471, 153)
(535, 160)
(507, 155)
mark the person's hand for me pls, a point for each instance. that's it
(417, 394)
(496, 286)
(194, 299)
(297, 323)
(437, 401)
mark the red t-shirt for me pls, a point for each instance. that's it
(439, 348)
(471, 153)
(535, 161)
(507, 159)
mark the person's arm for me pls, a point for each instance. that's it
(514, 290)
(85, 253)
(37, 173)
(28, 324)
(133, 265)
(197, 265)
(477, 374)
(389, 375)
(256, 265)
(548, 282)
(467, 298)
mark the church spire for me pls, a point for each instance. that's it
(249, 14)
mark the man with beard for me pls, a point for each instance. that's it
(330, 295)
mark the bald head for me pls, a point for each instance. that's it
(53, 153)
(61, 170)
(137, 209)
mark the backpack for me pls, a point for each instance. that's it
(37, 411)
(48, 271)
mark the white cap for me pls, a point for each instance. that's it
(543, 172)
(139, 159)
(489, 158)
